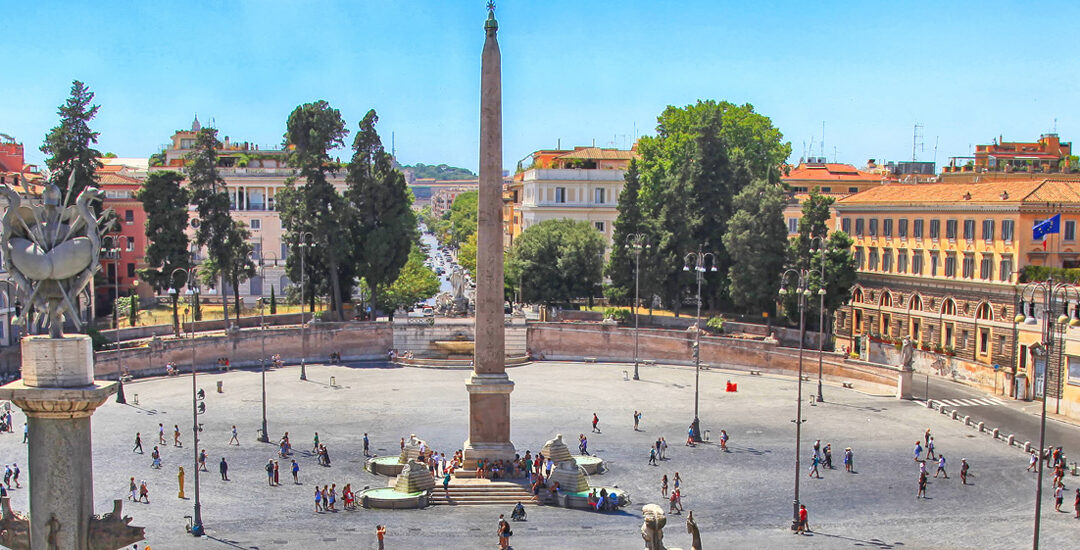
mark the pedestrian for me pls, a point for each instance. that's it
(161, 433)
(15, 475)
(1034, 462)
(295, 473)
(663, 486)
(1076, 504)
(234, 439)
(277, 480)
(501, 530)
(849, 461)
(690, 437)
(930, 455)
(652, 457)
(918, 450)
(25, 432)
(1059, 496)
(138, 443)
(583, 445)
(814, 460)
(366, 451)
(673, 502)
(202, 460)
(270, 472)
(941, 467)
(446, 484)
(318, 499)
(676, 481)
(723, 440)
(927, 437)
(804, 523)
(595, 423)
(963, 470)
(176, 436)
(133, 489)
(922, 485)
(223, 467)
(315, 448)
(827, 451)
(663, 449)
(380, 532)
(637, 417)
(144, 493)
(325, 493)
(7, 476)
(332, 497)
(403, 444)
(155, 458)
(817, 449)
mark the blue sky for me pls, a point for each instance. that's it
(575, 71)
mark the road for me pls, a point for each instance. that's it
(1009, 415)
(433, 254)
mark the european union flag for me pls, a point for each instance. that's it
(1051, 225)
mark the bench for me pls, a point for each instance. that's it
(805, 378)
(649, 362)
(590, 359)
(755, 373)
(848, 385)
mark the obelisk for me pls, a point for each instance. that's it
(489, 387)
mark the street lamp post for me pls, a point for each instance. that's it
(697, 261)
(637, 244)
(192, 282)
(265, 436)
(802, 291)
(823, 249)
(112, 252)
(307, 239)
(1055, 295)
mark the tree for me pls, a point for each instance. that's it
(165, 203)
(463, 217)
(69, 145)
(212, 204)
(466, 255)
(273, 301)
(313, 129)
(620, 266)
(237, 266)
(840, 270)
(556, 261)
(415, 283)
(757, 242)
(386, 225)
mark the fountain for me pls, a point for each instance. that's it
(574, 482)
(412, 485)
(459, 347)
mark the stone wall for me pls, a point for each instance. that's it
(138, 333)
(420, 337)
(924, 362)
(614, 343)
(353, 340)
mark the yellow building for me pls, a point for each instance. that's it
(828, 178)
(941, 263)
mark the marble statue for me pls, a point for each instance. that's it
(51, 250)
(907, 354)
(695, 535)
(457, 283)
(111, 530)
(652, 529)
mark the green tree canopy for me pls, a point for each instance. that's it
(803, 253)
(208, 195)
(556, 261)
(166, 205)
(757, 242)
(463, 220)
(466, 255)
(415, 283)
(441, 172)
(69, 145)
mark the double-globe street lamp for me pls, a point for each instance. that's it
(1055, 297)
(802, 292)
(818, 244)
(637, 244)
(192, 282)
(697, 261)
(305, 239)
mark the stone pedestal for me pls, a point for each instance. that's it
(904, 383)
(58, 395)
(489, 419)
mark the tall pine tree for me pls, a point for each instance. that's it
(166, 205)
(620, 266)
(756, 239)
(212, 204)
(70, 144)
(386, 225)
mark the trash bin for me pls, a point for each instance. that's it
(219, 386)
(706, 435)
(333, 382)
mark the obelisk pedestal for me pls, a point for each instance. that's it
(58, 394)
(489, 387)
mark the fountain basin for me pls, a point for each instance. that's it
(592, 464)
(455, 347)
(389, 498)
(384, 466)
(580, 500)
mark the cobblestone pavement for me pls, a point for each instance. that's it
(741, 499)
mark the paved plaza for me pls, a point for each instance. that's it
(741, 499)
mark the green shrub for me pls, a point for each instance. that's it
(715, 324)
(97, 339)
(621, 316)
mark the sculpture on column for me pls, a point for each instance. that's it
(691, 527)
(652, 528)
(907, 354)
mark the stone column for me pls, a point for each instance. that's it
(489, 387)
(58, 395)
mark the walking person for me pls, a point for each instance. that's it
(927, 437)
(176, 436)
(922, 485)
(918, 450)
(367, 452)
(380, 532)
(814, 460)
(637, 417)
(817, 449)
(15, 475)
(234, 439)
(155, 458)
(202, 460)
(270, 472)
(583, 445)
(804, 525)
(1059, 496)
(941, 467)
(315, 448)
(133, 489)
(318, 499)
(161, 433)
(295, 473)
(25, 432)
(723, 440)
(663, 486)
(502, 530)
(652, 457)
(138, 443)
(1076, 504)
(663, 449)
(827, 451)
(849, 461)
(963, 470)
(277, 480)
(223, 467)
(1034, 462)
(144, 493)
(595, 423)
(930, 455)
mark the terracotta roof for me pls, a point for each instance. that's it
(596, 153)
(1041, 190)
(109, 178)
(829, 171)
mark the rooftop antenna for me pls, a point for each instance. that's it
(916, 142)
(936, 139)
(811, 145)
(822, 138)
(803, 152)
(834, 154)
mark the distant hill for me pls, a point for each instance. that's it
(439, 173)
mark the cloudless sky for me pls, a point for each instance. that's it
(578, 71)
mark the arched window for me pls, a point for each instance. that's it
(948, 307)
(857, 295)
(886, 298)
(984, 312)
(915, 304)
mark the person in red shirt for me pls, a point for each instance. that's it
(803, 526)
(380, 532)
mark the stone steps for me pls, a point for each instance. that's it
(482, 492)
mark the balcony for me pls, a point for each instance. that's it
(573, 174)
